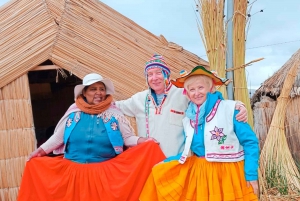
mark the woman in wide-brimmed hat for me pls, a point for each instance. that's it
(223, 163)
(91, 136)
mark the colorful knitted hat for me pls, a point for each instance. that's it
(157, 61)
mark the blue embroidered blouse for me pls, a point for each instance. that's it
(89, 141)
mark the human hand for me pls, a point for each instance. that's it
(37, 153)
(255, 187)
(243, 114)
(144, 139)
(152, 139)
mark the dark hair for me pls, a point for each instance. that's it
(86, 87)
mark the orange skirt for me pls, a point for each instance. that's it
(197, 179)
(120, 178)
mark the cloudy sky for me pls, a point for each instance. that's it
(273, 34)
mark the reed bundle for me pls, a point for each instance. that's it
(276, 163)
(264, 107)
(212, 32)
(239, 39)
(263, 113)
(293, 127)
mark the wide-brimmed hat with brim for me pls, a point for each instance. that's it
(90, 79)
(198, 70)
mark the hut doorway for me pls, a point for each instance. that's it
(51, 95)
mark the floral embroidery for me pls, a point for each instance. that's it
(218, 134)
(114, 126)
(105, 118)
(77, 117)
(69, 122)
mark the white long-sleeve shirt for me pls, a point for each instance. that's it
(165, 127)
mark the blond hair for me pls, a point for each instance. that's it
(207, 80)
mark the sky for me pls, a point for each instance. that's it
(273, 34)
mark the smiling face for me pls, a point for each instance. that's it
(95, 93)
(156, 80)
(197, 88)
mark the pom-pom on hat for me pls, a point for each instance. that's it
(157, 61)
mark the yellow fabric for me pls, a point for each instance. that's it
(197, 180)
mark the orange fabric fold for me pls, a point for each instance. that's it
(59, 179)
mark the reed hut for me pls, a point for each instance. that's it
(264, 102)
(47, 46)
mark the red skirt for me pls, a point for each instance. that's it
(121, 178)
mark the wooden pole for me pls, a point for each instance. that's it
(229, 53)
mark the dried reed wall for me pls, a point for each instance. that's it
(263, 113)
(16, 135)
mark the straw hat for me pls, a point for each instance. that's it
(92, 78)
(198, 70)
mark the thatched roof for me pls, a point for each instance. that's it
(273, 85)
(82, 37)
(264, 103)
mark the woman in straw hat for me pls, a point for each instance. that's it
(91, 136)
(223, 161)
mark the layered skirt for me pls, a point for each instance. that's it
(121, 178)
(198, 180)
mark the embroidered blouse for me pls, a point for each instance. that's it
(83, 143)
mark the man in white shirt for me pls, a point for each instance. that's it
(160, 109)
